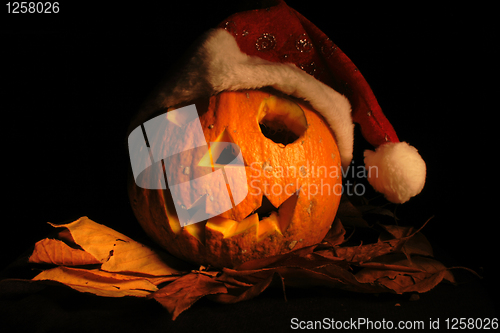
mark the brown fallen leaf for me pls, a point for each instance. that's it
(418, 245)
(98, 282)
(362, 253)
(117, 252)
(416, 242)
(238, 291)
(330, 276)
(138, 258)
(350, 215)
(180, 294)
(388, 267)
(396, 239)
(397, 231)
(54, 251)
(335, 235)
(428, 273)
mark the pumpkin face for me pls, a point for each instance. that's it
(285, 187)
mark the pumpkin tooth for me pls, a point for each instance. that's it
(268, 226)
(230, 227)
(197, 230)
(223, 225)
(286, 211)
(247, 223)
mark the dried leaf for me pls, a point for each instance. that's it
(362, 253)
(416, 242)
(275, 260)
(389, 267)
(335, 235)
(418, 245)
(238, 292)
(54, 251)
(375, 210)
(180, 294)
(350, 215)
(397, 231)
(331, 276)
(428, 274)
(137, 258)
(96, 239)
(117, 252)
(432, 266)
(98, 282)
(396, 239)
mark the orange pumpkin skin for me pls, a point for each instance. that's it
(301, 182)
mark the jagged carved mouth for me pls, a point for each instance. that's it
(266, 219)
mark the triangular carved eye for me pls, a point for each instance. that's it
(223, 152)
(227, 156)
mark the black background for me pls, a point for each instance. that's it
(72, 81)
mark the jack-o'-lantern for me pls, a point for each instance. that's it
(285, 188)
(258, 173)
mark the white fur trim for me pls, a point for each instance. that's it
(397, 170)
(220, 65)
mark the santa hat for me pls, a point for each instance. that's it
(278, 47)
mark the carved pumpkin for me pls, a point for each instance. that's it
(289, 164)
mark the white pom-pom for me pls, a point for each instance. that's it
(397, 170)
